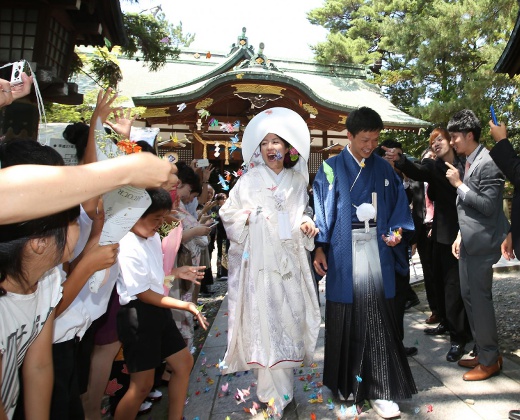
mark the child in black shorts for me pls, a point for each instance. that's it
(144, 322)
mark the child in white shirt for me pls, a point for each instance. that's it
(144, 322)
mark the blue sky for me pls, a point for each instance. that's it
(280, 24)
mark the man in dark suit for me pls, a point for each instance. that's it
(483, 227)
(422, 215)
(509, 163)
(403, 290)
(450, 306)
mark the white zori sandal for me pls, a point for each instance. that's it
(385, 408)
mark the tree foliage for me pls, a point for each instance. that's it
(152, 39)
(430, 57)
(59, 113)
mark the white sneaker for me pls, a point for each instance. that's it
(146, 407)
(154, 395)
(385, 408)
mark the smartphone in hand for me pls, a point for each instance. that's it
(493, 115)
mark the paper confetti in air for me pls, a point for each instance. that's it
(203, 113)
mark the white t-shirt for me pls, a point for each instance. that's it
(87, 306)
(21, 320)
(140, 265)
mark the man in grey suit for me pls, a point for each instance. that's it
(483, 227)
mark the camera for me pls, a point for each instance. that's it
(13, 72)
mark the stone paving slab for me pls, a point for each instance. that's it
(440, 385)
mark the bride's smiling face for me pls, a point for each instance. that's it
(273, 151)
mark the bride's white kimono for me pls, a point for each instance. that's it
(274, 316)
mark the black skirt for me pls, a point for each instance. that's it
(363, 353)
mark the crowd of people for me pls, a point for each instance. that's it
(372, 208)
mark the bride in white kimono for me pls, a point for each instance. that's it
(274, 316)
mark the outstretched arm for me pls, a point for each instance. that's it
(156, 299)
(56, 188)
(417, 172)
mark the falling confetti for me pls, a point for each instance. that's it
(223, 183)
(112, 387)
(240, 396)
(227, 127)
(358, 378)
(203, 113)
(181, 107)
(221, 364)
(429, 408)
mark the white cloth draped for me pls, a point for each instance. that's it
(274, 316)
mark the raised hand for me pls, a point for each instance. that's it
(498, 132)
(122, 122)
(206, 172)
(104, 106)
(453, 175)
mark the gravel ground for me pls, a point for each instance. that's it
(506, 297)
